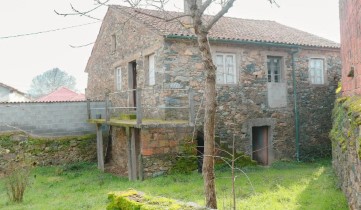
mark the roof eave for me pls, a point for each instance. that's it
(262, 43)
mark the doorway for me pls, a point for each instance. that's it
(260, 144)
(132, 69)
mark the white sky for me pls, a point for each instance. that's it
(23, 58)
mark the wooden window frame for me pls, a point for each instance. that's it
(271, 75)
(312, 71)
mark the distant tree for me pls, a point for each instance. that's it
(49, 81)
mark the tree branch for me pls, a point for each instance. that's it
(223, 11)
(204, 6)
(77, 12)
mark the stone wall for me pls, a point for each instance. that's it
(160, 148)
(48, 119)
(157, 147)
(15, 147)
(239, 104)
(346, 151)
(350, 15)
(121, 40)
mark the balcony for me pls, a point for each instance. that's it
(146, 108)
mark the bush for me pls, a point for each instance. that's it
(16, 183)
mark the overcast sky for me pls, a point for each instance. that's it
(24, 57)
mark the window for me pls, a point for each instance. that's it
(118, 78)
(274, 69)
(151, 70)
(226, 68)
(316, 71)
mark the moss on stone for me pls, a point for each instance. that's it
(187, 162)
(346, 121)
(133, 200)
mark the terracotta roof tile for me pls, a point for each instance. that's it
(62, 94)
(228, 28)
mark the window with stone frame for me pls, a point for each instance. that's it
(151, 70)
(226, 68)
(118, 78)
(274, 69)
(316, 69)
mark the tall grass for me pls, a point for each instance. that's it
(282, 186)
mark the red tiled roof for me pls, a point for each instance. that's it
(228, 28)
(62, 94)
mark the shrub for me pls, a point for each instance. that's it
(16, 183)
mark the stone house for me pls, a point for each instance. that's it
(275, 86)
(10, 94)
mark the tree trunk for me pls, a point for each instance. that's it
(209, 121)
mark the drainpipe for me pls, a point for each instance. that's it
(297, 120)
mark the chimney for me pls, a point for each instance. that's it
(187, 10)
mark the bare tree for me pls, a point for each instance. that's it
(49, 81)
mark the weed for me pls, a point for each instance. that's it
(16, 183)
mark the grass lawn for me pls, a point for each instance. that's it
(285, 185)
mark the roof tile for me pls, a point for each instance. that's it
(228, 28)
(62, 94)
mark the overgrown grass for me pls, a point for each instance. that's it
(282, 186)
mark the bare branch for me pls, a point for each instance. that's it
(223, 11)
(274, 2)
(86, 13)
(83, 13)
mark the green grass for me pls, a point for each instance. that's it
(282, 186)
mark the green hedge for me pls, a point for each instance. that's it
(133, 200)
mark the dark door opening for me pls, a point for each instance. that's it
(134, 73)
(132, 83)
(260, 144)
(200, 150)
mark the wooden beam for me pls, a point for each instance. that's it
(141, 172)
(139, 106)
(133, 154)
(100, 153)
(107, 115)
(127, 131)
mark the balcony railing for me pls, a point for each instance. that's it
(121, 102)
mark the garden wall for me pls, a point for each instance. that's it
(49, 119)
(346, 146)
(16, 147)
